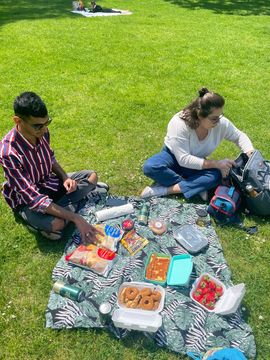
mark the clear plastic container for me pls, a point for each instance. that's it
(191, 238)
(139, 319)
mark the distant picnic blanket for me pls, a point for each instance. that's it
(106, 12)
(186, 326)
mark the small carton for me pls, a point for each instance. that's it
(138, 318)
(226, 300)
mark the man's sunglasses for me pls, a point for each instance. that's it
(38, 127)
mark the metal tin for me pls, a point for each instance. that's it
(69, 291)
(143, 214)
(202, 219)
(105, 310)
(127, 225)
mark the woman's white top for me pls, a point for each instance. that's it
(190, 152)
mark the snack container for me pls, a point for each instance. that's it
(191, 238)
(228, 302)
(180, 270)
(153, 281)
(139, 319)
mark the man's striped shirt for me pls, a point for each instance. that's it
(27, 169)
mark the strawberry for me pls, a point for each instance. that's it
(210, 297)
(219, 290)
(203, 284)
(197, 296)
(199, 291)
(212, 285)
(210, 305)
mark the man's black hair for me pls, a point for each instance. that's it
(29, 104)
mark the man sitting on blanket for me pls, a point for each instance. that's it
(37, 188)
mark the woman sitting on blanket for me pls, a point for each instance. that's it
(192, 135)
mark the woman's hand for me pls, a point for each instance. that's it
(225, 166)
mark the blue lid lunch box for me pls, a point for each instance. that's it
(180, 270)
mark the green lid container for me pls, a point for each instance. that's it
(158, 282)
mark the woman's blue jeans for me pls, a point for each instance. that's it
(164, 169)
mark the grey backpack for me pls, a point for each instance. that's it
(251, 176)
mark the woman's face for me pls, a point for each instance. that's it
(212, 119)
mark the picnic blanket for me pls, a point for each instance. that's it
(106, 12)
(186, 326)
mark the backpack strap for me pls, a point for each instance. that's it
(231, 191)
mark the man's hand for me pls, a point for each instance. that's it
(70, 185)
(88, 232)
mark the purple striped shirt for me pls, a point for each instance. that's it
(27, 168)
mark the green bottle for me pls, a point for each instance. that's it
(69, 291)
(143, 214)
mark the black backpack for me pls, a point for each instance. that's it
(251, 176)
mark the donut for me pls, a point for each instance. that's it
(134, 303)
(156, 296)
(147, 303)
(146, 292)
(122, 296)
(131, 293)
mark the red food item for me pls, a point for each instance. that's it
(207, 292)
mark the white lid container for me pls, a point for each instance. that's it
(229, 300)
(139, 319)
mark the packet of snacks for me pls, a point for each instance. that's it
(133, 242)
(92, 257)
(108, 236)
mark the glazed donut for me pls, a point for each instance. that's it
(122, 296)
(147, 303)
(146, 292)
(156, 296)
(134, 303)
(131, 293)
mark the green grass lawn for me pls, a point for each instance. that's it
(111, 85)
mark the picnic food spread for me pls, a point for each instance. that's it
(161, 269)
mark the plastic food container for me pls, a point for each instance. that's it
(180, 270)
(191, 238)
(139, 319)
(228, 302)
(160, 271)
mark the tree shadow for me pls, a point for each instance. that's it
(230, 7)
(12, 11)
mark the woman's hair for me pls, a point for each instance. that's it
(202, 106)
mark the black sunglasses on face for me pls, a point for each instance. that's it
(38, 127)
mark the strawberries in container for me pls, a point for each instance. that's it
(211, 294)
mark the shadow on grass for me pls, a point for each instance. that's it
(230, 7)
(12, 11)
(46, 245)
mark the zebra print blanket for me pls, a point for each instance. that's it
(186, 326)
